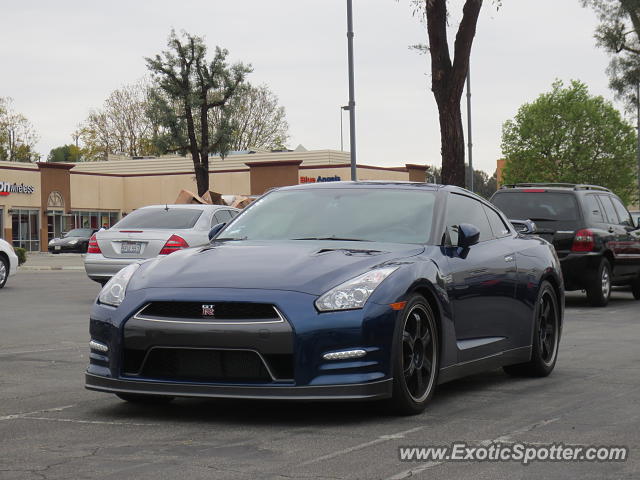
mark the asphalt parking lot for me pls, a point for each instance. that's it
(51, 427)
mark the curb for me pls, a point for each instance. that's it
(36, 268)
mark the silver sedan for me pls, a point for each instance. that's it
(151, 231)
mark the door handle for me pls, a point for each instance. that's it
(508, 258)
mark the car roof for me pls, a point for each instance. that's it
(364, 184)
(193, 206)
(558, 187)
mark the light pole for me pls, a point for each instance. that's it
(352, 101)
(638, 132)
(346, 107)
(470, 143)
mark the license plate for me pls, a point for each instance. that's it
(130, 247)
(57, 247)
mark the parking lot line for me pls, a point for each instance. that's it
(45, 410)
(380, 439)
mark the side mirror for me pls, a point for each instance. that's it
(527, 227)
(215, 230)
(468, 235)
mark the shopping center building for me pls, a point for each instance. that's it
(40, 201)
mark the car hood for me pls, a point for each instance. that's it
(304, 266)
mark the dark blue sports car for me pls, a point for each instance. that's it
(338, 291)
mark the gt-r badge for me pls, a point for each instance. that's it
(208, 310)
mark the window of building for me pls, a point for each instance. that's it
(25, 226)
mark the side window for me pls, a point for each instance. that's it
(218, 218)
(497, 225)
(463, 209)
(609, 211)
(593, 211)
(233, 213)
(623, 214)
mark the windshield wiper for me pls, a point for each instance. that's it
(340, 239)
(540, 219)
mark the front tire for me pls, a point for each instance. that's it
(599, 285)
(144, 399)
(546, 336)
(635, 288)
(416, 358)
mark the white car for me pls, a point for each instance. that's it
(151, 231)
(8, 262)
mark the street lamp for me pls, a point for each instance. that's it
(342, 109)
(352, 101)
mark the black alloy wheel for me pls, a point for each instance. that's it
(416, 359)
(546, 336)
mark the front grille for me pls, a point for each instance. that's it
(201, 365)
(220, 310)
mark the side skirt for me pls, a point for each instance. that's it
(491, 362)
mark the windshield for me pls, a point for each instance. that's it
(537, 206)
(359, 214)
(79, 232)
(161, 218)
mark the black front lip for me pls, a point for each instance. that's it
(362, 391)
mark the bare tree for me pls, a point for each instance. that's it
(185, 75)
(17, 135)
(256, 119)
(121, 125)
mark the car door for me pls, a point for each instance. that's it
(627, 246)
(482, 282)
(617, 237)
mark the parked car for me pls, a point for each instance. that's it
(593, 233)
(151, 231)
(332, 292)
(74, 241)
(8, 262)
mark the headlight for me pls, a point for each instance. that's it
(353, 293)
(73, 242)
(114, 291)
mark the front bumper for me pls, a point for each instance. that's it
(98, 267)
(364, 391)
(77, 248)
(305, 336)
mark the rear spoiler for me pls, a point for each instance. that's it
(524, 226)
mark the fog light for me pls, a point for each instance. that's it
(98, 346)
(344, 354)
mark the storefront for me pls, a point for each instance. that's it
(41, 201)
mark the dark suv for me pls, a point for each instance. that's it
(596, 239)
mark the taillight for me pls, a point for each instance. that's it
(93, 245)
(583, 241)
(174, 244)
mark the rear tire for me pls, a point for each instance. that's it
(416, 359)
(4, 270)
(546, 337)
(144, 399)
(599, 284)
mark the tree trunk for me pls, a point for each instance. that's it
(452, 141)
(447, 81)
(202, 178)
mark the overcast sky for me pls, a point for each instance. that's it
(60, 59)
